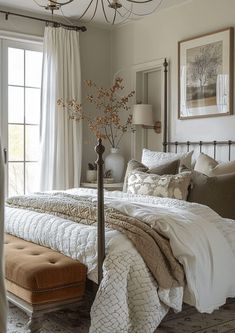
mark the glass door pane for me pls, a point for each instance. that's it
(32, 105)
(31, 143)
(24, 65)
(16, 105)
(33, 68)
(15, 178)
(15, 66)
(15, 143)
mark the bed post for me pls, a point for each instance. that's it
(99, 148)
(165, 64)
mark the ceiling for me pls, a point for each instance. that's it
(76, 8)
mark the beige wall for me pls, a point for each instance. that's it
(156, 36)
(95, 61)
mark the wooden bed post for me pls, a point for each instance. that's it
(99, 148)
(165, 64)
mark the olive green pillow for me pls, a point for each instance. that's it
(217, 192)
(169, 168)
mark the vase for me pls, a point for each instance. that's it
(115, 162)
(91, 176)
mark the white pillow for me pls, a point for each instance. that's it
(210, 167)
(155, 158)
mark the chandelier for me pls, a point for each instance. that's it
(112, 11)
(119, 11)
(52, 4)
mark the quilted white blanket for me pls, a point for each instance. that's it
(128, 299)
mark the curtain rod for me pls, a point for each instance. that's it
(58, 24)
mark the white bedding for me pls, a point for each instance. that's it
(128, 299)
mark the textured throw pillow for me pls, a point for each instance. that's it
(131, 166)
(216, 192)
(169, 168)
(154, 158)
(167, 186)
(210, 167)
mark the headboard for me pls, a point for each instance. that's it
(202, 146)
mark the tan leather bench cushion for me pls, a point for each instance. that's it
(33, 271)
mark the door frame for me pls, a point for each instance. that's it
(139, 138)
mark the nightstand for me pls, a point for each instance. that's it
(107, 186)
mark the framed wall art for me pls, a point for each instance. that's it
(205, 73)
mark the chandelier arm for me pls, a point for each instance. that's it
(117, 10)
(124, 19)
(96, 6)
(85, 11)
(114, 16)
(61, 3)
(139, 2)
(141, 15)
(104, 12)
(128, 12)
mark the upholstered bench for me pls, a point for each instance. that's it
(40, 280)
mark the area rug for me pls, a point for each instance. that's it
(78, 320)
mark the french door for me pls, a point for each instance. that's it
(21, 67)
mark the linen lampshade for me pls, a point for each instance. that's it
(142, 114)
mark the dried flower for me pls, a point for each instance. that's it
(110, 106)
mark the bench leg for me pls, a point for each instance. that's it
(34, 324)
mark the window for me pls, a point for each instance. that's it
(21, 115)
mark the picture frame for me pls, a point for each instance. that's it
(205, 75)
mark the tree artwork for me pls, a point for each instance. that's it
(204, 65)
(206, 75)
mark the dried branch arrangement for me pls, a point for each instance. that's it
(111, 109)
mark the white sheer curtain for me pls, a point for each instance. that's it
(61, 138)
(3, 305)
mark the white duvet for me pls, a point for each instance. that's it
(129, 299)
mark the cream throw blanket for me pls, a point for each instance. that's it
(153, 247)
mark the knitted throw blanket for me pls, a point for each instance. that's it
(154, 248)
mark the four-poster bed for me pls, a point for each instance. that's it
(136, 288)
